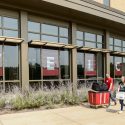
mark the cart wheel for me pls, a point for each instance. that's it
(91, 106)
(96, 107)
(107, 106)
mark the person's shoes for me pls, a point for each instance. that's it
(119, 112)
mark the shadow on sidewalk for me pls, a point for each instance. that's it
(108, 109)
(111, 110)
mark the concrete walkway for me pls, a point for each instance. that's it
(77, 115)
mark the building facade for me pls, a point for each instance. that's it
(52, 42)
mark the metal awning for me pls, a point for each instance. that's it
(51, 44)
(121, 53)
(11, 39)
(115, 52)
(95, 50)
(70, 46)
(89, 49)
(105, 50)
(84, 48)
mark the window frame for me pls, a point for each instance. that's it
(95, 42)
(58, 36)
(59, 58)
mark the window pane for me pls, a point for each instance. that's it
(123, 43)
(111, 41)
(123, 66)
(34, 64)
(99, 38)
(100, 65)
(111, 47)
(10, 23)
(64, 64)
(49, 29)
(10, 33)
(79, 43)
(79, 35)
(90, 65)
(63, 40)
(112, 67)
(90, 37)
(99, 46)
(90, 44)
(49, 38)
(123, 59)
(0, 21)
(80, 65)
(50, 64)
(1, 63)
(117, 49)
(11, 63)
(117, 42)
(33, 36)
(0, 32)
(33, 26)
(118, 67)
(63, 32)
(106, 2)
(123, 49)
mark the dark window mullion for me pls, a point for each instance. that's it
(40, 31)
(83, 38)
(58, 34)
(2, 24)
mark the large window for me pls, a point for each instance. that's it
(87, 66)
(116, 44)
(1, 62)
(117, 66)
(89, 39)
(50, 63)
(90, 65)
(64, 64)
(47, 64)
(34, 64)
(9, 62)
(8, 26)
(80, 65)
(47, 32)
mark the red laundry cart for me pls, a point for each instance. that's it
(97, 99)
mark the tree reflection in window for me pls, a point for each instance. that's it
(11, 62)
(1, 63)
(64, 64)
(34, 64)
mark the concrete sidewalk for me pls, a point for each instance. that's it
(78, 115)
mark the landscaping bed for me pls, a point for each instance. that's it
(39, 100)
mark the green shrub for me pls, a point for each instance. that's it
(18, 103)
(48, 99)
(2, 103)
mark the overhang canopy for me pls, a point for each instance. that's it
(94, 49)
(51, 44)
(10, 39)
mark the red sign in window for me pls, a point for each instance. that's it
(47, 72)
(1, 71)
